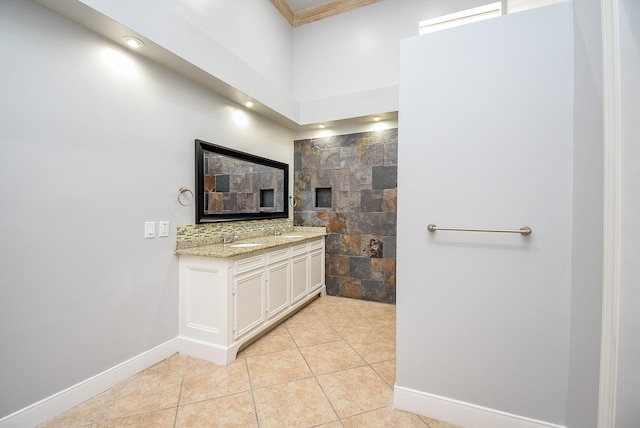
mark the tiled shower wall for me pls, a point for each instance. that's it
(347, 183)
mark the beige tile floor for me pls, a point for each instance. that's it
(330, 365)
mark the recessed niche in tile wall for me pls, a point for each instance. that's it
(266, 198)
(323, 197)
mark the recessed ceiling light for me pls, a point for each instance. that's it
(377, 118)
(248, 103)
(133, 42)
(321, 126)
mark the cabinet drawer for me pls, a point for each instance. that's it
(278, 255)
(299, 249)
(249, 263)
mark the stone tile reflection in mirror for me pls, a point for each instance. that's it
(243, 186)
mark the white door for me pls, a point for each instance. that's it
(485, 141)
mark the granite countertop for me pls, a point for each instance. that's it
(299, 234)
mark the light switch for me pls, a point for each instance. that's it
(149, 229)
(164, 228)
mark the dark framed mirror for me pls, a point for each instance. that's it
(233, 185)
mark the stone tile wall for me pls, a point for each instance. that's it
(360, 170)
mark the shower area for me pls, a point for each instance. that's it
(347, 183)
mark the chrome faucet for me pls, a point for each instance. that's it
(229, 239)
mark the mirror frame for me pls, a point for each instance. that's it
(202, 147)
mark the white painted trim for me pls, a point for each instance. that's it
(461, 413)
(612, 203)
(214, 353)
(67, 399)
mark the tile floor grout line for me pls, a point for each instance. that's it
(298, 347)
(184, 373)
(204, 400)
(315, 377)
(366, 411)
(253, 397)
(366, 364)
(329, 401)
(357, 353)
(281, 383)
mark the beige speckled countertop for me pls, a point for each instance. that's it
(299, 234)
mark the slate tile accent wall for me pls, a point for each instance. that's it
(361, 170)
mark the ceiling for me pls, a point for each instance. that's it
(300, 12)
(298, 5)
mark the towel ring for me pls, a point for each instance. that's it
(293, 201)
(180, 192)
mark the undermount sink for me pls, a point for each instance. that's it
(245, 245)
(291, 236)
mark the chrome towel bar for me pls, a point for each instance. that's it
(524, 230)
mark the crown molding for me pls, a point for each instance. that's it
(285, 10)
(316, 13)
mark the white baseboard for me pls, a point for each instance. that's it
(456, 412)
(67, 399)
(216, 354)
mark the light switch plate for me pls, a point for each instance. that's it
(149, 229)
(164, 228)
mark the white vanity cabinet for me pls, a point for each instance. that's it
(227, 302)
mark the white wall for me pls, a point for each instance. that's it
(253, 30)
(341, 67)
(348, 64)
(245, 43)
(586, 297)
(94, 142)
(587, 255)
(486, 140)
(628, 392)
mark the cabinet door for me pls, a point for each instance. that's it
(249, 302)
(316, 269)
(277, 288)
(299, 280)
